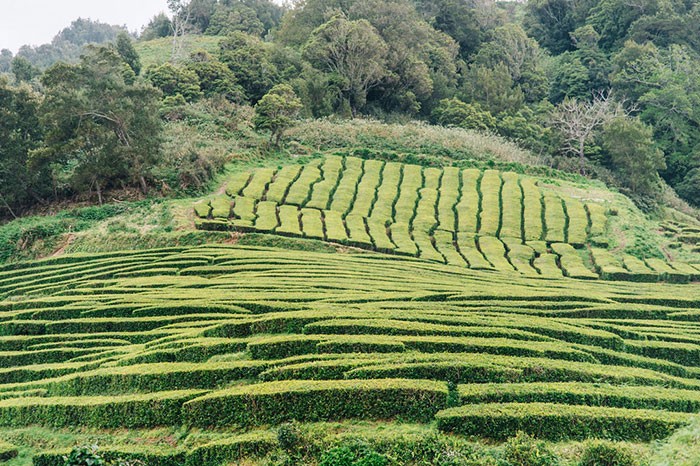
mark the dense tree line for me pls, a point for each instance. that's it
(605, 87)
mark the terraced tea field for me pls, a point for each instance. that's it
(484, 220)
(223, 337)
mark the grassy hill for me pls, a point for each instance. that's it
(382, 301)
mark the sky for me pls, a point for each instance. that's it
(36, 22)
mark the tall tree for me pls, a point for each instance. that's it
(551, 22)
(251, 61)
(23, 70)
(578, 122)
(182, 13)
(276, 111)
(102, 127)
(126, 50)
(352, 50)
(20, 133)
(159, 26)
(633, 154)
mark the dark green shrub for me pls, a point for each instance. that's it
(372, 459)
(524, 450)
(84, 456)
(289, 436)
(601, 453)
(339, 456)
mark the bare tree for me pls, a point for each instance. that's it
(577, 122)
(182, 11)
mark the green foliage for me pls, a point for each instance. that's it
(251, 62)
(551, 22)
(524, 450)
(20, 132)
(175, 80)
(102, 128)
(23, 70)
(633, 154)
(339, 456)
(7, 451)
(454, 112)
(276, 111)
(352, 50)
(159, 26)
(126, 50)
(601, 453)
(84, 456)
(215, 78)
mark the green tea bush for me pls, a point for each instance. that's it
(601, 453)
(339, 456)
(353, 454)
(524, 450)
(7, 451)
(289, 436)
(84, 456)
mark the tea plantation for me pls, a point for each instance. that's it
(481, 219)
(235, 340)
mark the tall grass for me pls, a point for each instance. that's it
(414, 137)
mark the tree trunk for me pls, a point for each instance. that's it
(582, 157)
(278, 138)
(98, 188)
(144, 186)
(7, 206)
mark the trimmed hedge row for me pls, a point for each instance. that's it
(321, 194)
(634, 397)
(300, 191)
(468, 248)
(148, 456)
(495, 252)
(366, 192)
(310, 401)
(411, 182)
(560, 422)
(345, 192)
(571, 262)
(554, 219)
(150, 410)
(154, 377)
(449, 197)
(7, 451)
(237, 182)
(512, 204)
(532, 212)
(277, 191)
(446, 246)
(490, 214)
(388, 192)
(245, 446)
(426, 248)
(469, 204)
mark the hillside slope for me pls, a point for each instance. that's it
(481, 219)
(387, 300)
(220, 337)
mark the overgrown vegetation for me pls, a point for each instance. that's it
(585, 87)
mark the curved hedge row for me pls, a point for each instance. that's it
(559, 421)
(319, 400)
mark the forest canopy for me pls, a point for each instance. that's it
(601, 87)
